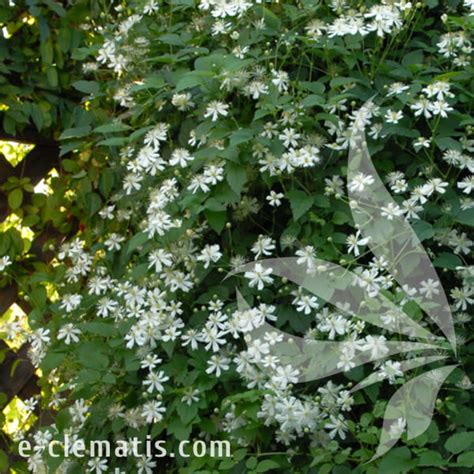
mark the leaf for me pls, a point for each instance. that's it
(193, 79)
(136, 241)
(75, 132)
(90, 355)
(3, 461)
(115, 141)
(216, 219)
(313, 100)
(431, 458)
(460, 442)
(466, 459)
(88, 87)
(424, 230)
(447, 260)
(267, 465)
(15, 198)
(112, 127)
(236, 177)
(397, 461)
(241, 136)
(99, 328)
(300, 203)
(93, 203)
(178, 429)
(414, 57)
(187, 412)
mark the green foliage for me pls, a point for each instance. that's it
(104, 119)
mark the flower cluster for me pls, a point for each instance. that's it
(234, 119)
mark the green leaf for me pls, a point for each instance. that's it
(313, 100)
(15, 198)
(431, 458)
(466, 459)
(88, 87)
(397, 461)
(423, 230)
(236, 177)
(460, 442)
(414, 57)
(99, 328)
(187, 412)
(216, 219)
(466, 217)
(178, 429)
(447, 260)
(136, 241)
(115, 141)
(52, 76)
(93, 203)
(241, 136)
(300, 203)
(75, 132)
(91, 356)
(3, 461)
(193, 79)
(112, 127)
(52, 360)
(266, 465)
(46, 52)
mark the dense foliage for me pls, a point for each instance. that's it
(215, 133)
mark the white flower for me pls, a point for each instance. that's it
(155, 381)
(429, 288)
(181, 157)
(216, 108)
(376, 345)
(259, 276)
(152, 411)
(113, 242)
(390, 211)
(393, 116)
(397, 88)
(467, 184)
(150, 7)
(359, 182)
(263, 246)
(70, 302)
(336, 427)
(145, 465)
(97, 465)
(289, 137)
(285, 375)
(390, 370)
(210, 253)
(441, 107)
(217, 363)
(5, 262)
(421, 142)
(397, 428)
(156, 135)
(182, 102)
(274, 198)
(280, 79)
(159, 258)
(355, 241)
(69, 333)
(434, 185)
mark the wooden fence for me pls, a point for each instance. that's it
(17, 374)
